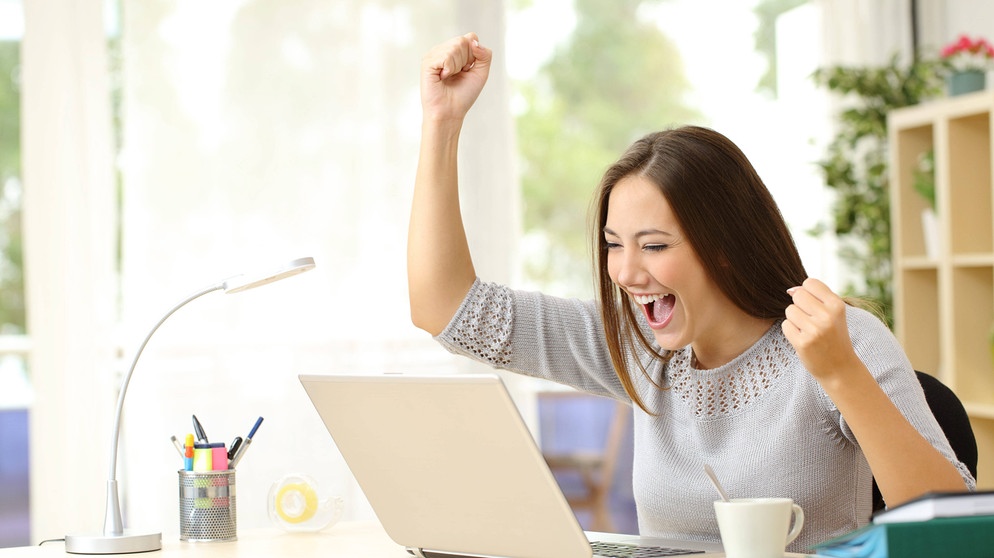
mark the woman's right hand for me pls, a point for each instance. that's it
(452, 75)
(439, 265)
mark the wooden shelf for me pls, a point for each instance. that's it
(944, 302)
(980, 410)
(919, 263)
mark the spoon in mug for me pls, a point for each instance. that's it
(714, 481)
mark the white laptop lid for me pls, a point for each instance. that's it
(449, 466)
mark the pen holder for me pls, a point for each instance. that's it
(207, 506)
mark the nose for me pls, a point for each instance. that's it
(629, 271)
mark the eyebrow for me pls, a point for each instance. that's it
(639, 234)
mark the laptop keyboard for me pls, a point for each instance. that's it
(622, 550)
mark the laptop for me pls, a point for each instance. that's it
(451, 470)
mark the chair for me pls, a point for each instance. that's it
(596, 470)
(953, 420)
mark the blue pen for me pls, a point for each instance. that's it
(244, 445)
(254, 428)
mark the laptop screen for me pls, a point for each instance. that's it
(447, 464)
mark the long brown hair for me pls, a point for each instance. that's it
(727, 215)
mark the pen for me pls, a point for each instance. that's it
(199, 431)
(178, 446)
(254, 428)
(243, 447)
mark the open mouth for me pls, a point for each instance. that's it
(658, 309)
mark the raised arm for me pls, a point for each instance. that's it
(816, 327)
(439, 268)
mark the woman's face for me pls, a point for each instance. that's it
(651, 260)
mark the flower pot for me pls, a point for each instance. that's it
(966, 82)
(930, 233)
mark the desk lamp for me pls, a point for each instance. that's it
(114, 540)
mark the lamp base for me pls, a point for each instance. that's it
(128, 543)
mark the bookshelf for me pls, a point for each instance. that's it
(944, 301)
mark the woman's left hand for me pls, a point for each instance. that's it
(816, 327)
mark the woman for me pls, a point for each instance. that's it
(705, 322)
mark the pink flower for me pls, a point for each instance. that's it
(966, 54)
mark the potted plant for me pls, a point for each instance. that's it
(967, 61)
(855, 165)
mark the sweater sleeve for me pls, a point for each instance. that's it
(880, 351)
(538, 335)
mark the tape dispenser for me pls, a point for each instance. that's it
(295, 505)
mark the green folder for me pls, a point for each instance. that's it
(961, 537)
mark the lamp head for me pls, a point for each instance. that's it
(245, 282)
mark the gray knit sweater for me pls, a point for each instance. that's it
(762, 422)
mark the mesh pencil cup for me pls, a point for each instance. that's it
(207, 506)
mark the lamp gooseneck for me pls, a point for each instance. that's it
(113, 522)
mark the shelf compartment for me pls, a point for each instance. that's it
(972, 302)
(911, 144)
(917, 318)
(969, 185)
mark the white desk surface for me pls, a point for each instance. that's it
(345, 540)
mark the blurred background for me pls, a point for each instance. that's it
(149, 148)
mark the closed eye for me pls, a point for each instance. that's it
(655, 247)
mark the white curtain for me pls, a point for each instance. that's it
(860, 32)
(257, 132)
(69, 226)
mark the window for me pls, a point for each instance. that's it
(15, 391)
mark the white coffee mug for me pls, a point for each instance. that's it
(758, 527)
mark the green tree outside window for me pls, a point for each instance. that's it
(615, 78)
(12, 317)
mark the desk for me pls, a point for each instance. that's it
(347, 539)
(344, 540)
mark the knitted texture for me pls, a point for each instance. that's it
(761, 421)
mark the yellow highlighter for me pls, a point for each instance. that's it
(202, 458)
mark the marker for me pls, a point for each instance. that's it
(244, 445)
(219, 457)
(199, 431)
(203, 458)
(178, 446)
(188, 454)
(233, 449)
